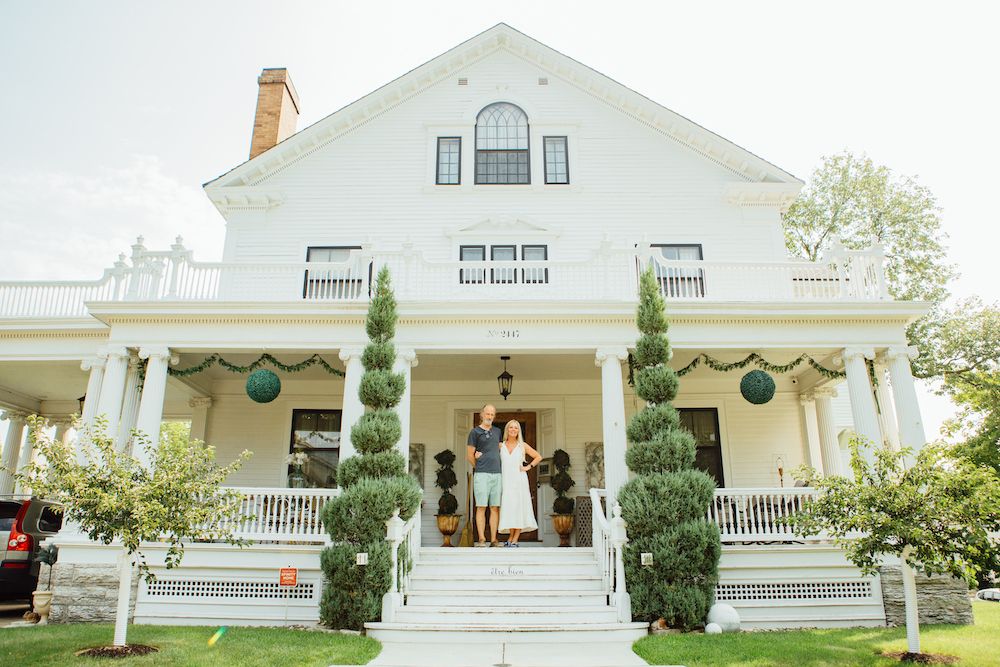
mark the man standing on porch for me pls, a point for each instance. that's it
(483, 452)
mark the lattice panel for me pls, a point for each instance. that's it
(814, 590)
(208, 588)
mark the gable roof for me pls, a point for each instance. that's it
(741, 162)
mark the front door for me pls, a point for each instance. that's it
(528, 428)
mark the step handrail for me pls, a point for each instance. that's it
(610, 538)
(396, 533)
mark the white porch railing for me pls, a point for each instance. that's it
(399, 532)
(758, 515)
(282, 515)
(609, 541)
(608, 274)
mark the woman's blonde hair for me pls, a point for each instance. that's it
(520, 434)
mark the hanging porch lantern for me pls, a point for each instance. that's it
(505, 379)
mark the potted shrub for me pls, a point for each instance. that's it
(562, 507)
(43, 599)
(447, 519)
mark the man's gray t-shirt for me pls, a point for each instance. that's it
(487, 442)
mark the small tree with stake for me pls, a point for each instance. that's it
(936, 516)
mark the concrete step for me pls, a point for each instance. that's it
(524, 552)
(528, 584)
(492, 616)
(548, 633)
(479, 597)
(486, 571)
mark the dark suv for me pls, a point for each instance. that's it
(24, 523)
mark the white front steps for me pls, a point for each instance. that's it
(503, 595)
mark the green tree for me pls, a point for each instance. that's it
(936, 516)
(665, 504)
(112, 496)
(373, 484)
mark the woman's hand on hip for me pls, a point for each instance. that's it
(525, 468)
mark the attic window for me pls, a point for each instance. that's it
(502, 145)
(463, 82)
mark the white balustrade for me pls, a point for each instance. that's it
(281, 515)
(758, 515)
(607, 275)
(398, 533)
(604, 547)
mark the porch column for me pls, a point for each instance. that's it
(808, 402)
(406, 359)
(11, 448)
(353, 408)
(63, 424)
(828, 443)
(24, 459)
(886, 413)
(862, 400)
(613, 416)
(95, 365)
(113, 388)
(130, 403)
(200, 406)
(151, 404)
(904, 391)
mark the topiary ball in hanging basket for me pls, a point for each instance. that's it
(263, 386)
(757, 387)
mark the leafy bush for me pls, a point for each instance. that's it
(381, 387)
(360, 512)
(376, 431)
(375, 466)
(379, 356)
(352, 595)
(664, 505)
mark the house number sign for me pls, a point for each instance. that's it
(503, 333)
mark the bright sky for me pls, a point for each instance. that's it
(114, 113)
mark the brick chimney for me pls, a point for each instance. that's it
(277, 110)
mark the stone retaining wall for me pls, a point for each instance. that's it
(85, 593)
(940, 598)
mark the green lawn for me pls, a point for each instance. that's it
(977, 645)
(55, 645)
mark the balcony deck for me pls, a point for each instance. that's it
(607, 276)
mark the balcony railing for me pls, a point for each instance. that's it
(607, 275)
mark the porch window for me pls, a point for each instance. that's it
(332, 283)
(472, 253)
(504, 275)
(449, 161)
(680, 281)
(703, 423)
(502, 145)
(503, 253)
(317, 434)
(535, 253)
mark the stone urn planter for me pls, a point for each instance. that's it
(447, 524)
(42, 601)
(563, 524)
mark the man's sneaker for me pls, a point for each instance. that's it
(480, 544)
(494, 543)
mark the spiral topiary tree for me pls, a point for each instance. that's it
(373, 484)
(561, 482)
(665, 503)
(446, 479)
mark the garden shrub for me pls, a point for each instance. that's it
(374, 484)
(665, 504)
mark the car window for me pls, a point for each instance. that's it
(50, 521)
(8, 512)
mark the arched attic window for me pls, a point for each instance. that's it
(502, 145)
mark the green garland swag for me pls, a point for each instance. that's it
(753, 358)
(264, 359)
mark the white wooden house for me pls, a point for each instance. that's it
(514, 193)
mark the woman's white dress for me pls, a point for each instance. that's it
(515, 501)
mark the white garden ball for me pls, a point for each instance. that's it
(725, 617)
(713, 629)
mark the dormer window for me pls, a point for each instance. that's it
(502, 145)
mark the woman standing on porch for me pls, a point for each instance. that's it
(516, 513)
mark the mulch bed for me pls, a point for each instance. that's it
(118, 651)
(923, 658)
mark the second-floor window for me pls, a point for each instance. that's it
(518, 272)
(449, 161)
(680, 281)
(502, 145)
(556, 161)
(332, 282)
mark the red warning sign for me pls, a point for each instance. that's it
(288, 576)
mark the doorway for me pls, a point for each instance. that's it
(528, 422)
